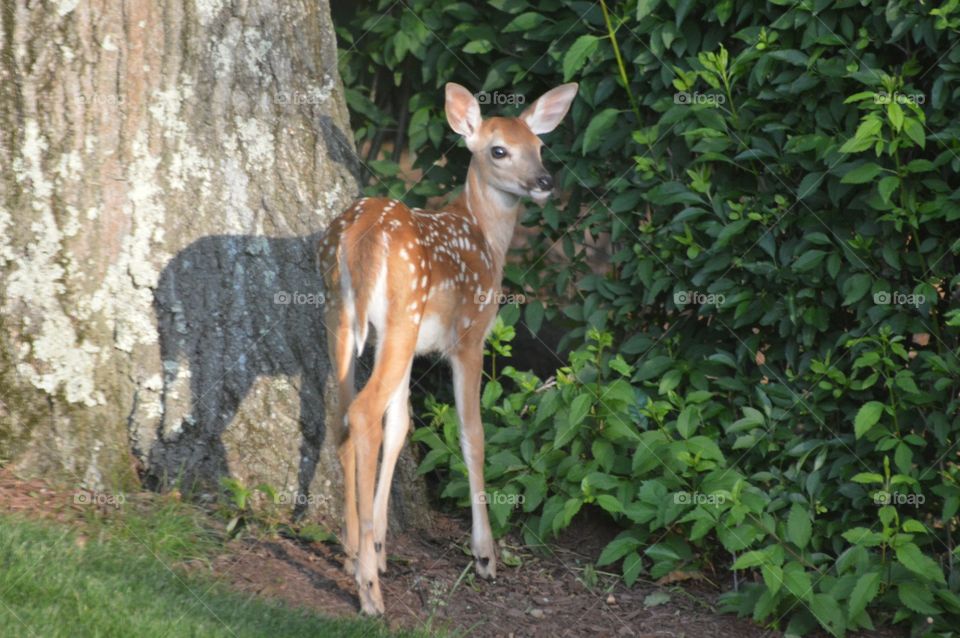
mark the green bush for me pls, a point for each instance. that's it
(766, 377)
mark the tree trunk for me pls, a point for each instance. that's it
(166, 169)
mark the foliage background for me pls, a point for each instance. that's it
(765, 379)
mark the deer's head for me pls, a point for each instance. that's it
(507, 150)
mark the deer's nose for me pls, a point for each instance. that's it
(545, 183)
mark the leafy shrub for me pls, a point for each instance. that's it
(768, 370)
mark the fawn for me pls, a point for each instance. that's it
(426, 281)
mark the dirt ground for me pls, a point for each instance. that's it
(430, 585)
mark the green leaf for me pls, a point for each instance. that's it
(861, 96)
(863, 536)
(809, 260)
(895, 115)
(604, 452)
(610, 503)
(827, 612)
(598, 127)
(576, 56)
(617, 549)
(863, 592)
(867, 417)
(917, 598)
(914, 130)
(645, 8)
(536, 489)
(911, 557)
(920, 165)
(798, 526)
(914, 527)
(491, 392)
(887, 186)
(565, 432)
(524, 22)
(791, 56)
(765, 605)
(809, 184)
(750, 559)
(632, 566)
(570, 509)
(670, 380)
(478, 46)
(855, 287)
(772, 576)
(797, 581)
(579, 408)
(688, 421)
(864, 137)
(862, 174)
(905, 382)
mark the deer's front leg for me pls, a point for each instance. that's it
(467, 368)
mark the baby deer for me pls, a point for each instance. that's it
(426, 281)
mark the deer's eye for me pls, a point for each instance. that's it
(498, 152)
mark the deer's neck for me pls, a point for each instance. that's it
(496, 212)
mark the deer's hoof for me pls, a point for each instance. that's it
(487, 567)
(350, 566)
(371, 602)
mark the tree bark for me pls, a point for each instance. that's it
(166, 169)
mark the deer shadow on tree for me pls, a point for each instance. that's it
(231, 309)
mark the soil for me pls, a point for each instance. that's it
(430, 584)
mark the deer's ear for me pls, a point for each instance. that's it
(546, 113)
(463, 112)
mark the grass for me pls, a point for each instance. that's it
(118, 577)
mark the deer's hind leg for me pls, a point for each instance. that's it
(340, 341)
(390, 372)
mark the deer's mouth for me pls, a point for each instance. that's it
(540, 197)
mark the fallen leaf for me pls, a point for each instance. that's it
(680, 576)
(656, 598)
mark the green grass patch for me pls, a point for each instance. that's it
(123, 581)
